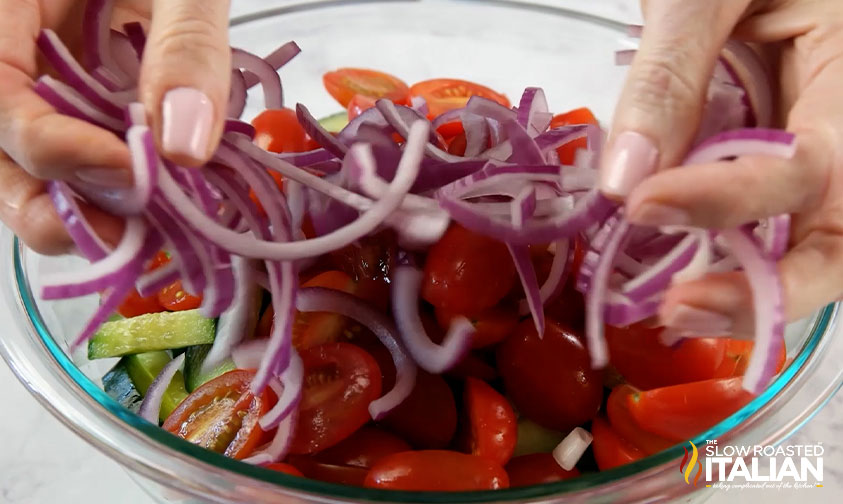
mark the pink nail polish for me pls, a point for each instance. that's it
(630, 160)
(109, 178)
(698, 321)
(187, 117)
(656, 214)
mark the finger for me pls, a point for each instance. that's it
(185, 77)
(661, 103)
(729, 194)
(29, 212)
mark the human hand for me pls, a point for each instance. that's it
(656, 121)
(184, 83)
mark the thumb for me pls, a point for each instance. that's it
(661, 103)
(185, 77)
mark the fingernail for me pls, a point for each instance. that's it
(656, 214)
(108, 178)
(187, 116)
(698, 321)
(630, 160)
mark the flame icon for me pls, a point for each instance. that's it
(690, 467)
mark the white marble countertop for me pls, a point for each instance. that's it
(41, 461)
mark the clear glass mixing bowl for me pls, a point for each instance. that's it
(507, 45)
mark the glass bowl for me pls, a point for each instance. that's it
(507, 45)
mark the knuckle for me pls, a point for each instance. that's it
(193, 41)
(661, 81)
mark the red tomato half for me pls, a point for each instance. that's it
(646, 363)
(443, 95)
(536, 469)
(467, 272)
(491, 326)
(330, 473)
(364, 448)
(174, 298)
(490, 423)
(135, 305)
(436, 470)
(340, 380)
(681, 412)
(568, 152)
(222, 415)
(428, 417)
(617, 409)
(315, 328)
(279, 130)
(737, 357)
(611, 450)
(550, 380)
(344, 84)
(358, 105)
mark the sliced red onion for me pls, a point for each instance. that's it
(330, 300)
(431, 357)
(476, 134)
(775, 235)
(524, 205)
(316, 131)
(533, 112)
(748, 71)
(556, 278)
(237, 95)
(137, 37)
(276, 59)
(190, 256)
(744, 142)
(125, 56)
(150, 283)
(404, 123)
(96, 31)
(86, 239)
(280, 445)
(151, 406)
(557, 137)
(67, 101)
(625, 57)
(658, 276)
(419, 104)
(570, 450)
(527, 274)
(73, 74)
(291, 381)
(595, 299)
(620, 311)
(525, 150)
(768, 303)
(490, 109)
(273, 93)
(239, 320)
(101, 274)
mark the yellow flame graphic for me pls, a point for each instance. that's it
(691, 463)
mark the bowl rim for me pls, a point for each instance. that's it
(167, 444)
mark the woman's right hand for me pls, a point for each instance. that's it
(184, 85)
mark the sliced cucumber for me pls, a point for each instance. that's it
(151, 332)
(334, 123)
(193, 375)
(120, 387)
(533, 438)
(144, 367)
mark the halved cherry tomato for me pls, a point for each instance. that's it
(222, 415)
(279, 130)
(358, 105)
(315, 328)
(265, 323)
(428, 417)
(451, 129)
(491, 428)
(550, 379)
(473, 366)
(467, 272)
(491, 326)
(610, 449)
(642, 359)
(369, 262)
(443, 95)
(680, 412)
(279, 181)
(174, 298)
(737, 358)
(436, 470)
(331, 473)
(536, 469)
(364, 448)
(617, 409)
(568, 152)
(345, 83)
(340, 380)
(135, 305)
(457, 145)
(285, 468)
